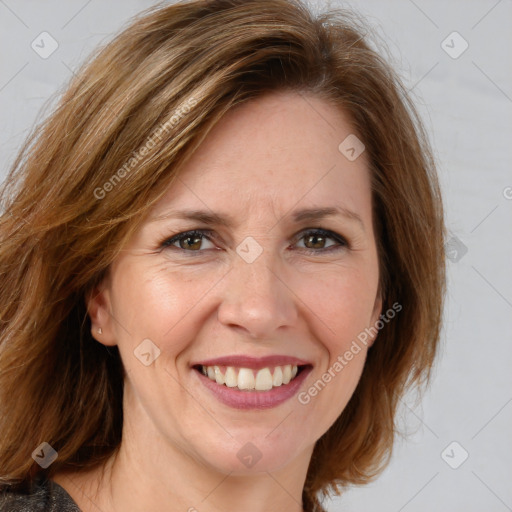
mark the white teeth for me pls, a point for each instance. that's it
(287, 374)
(263, 380)
(219, 378)
(277, 380)
(246, 379)
(230, 377)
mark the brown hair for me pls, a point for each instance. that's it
(81, 185)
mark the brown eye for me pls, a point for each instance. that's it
(316, 240)
(190, 241)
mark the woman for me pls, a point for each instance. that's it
(222, 266)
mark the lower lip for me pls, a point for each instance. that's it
(238, 399)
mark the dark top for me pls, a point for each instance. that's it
(45, 496)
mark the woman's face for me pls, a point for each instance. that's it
(258, 291)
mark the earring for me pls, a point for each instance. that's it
(100, 331)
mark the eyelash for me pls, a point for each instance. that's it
(208, 234)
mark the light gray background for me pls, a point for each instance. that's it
(467, 105)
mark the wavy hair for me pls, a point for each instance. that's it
(87, 176)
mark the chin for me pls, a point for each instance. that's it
(253, 451)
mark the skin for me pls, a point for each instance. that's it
(179, 449)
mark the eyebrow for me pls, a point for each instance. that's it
(312, 214)
(307, 214)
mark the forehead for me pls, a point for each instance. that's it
(270, 155)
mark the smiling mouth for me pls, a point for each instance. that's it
(247, 379)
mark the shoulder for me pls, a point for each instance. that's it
(44, 496)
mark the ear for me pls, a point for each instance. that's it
(377, 310)
(99, 308)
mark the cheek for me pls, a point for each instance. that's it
(156, 302)
(341, 308)
(343, 301)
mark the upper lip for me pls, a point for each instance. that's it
(254, 363)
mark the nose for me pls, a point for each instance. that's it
(257, 300)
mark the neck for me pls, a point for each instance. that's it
(136, 483)
(152, 472)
